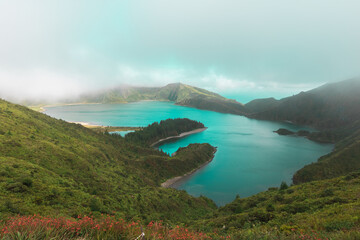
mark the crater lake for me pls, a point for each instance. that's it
(250, 157)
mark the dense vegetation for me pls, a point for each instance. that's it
(166, 128)
(334, 110)
(330, 106)
(85, 227)
(49, 166)
(345, 158)
(317, 136)
(327, 209)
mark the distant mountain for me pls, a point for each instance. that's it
(330, 106)
(334, 109)
(261, 105)
(344, 159)
(181, 94)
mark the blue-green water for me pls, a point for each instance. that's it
(122, 133)
(250, 156)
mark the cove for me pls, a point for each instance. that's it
(250, 157)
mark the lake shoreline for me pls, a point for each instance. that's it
(170, 182)
(184, 134)
(42, 108)
(101, 128)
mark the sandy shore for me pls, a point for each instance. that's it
(179, 136)
(174, 180)
(88, 125)
(101, 128)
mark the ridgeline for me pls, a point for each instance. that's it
(165, 129)
(333, 109)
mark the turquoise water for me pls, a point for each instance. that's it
(250, 157)
(122, 133)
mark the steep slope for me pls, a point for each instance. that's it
(181, 94)
(334, 109)
(49, 166)
(325, 209)
(344, 159)
(327, 107)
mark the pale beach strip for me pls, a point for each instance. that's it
(181, 135)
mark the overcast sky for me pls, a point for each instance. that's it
(58, 48)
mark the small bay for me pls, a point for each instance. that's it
(250, 157)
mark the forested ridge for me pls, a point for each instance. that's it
(163, 129)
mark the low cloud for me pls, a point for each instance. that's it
(54, 49)
(225, 84)
(39, 85)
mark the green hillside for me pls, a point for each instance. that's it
(345, 158)
(156, 131)
(181, 94)
(327, 209)
(334, 110)
(262, 105)
(49, 166)
(327, 107)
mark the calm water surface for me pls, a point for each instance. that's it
(250, 156)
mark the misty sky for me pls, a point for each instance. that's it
(51, 49)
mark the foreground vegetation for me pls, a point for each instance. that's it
(84, 227)
(329, 208)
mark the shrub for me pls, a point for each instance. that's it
(278, 198)
(283, 185)
(295, 208)
(270, 208)
(327, 193)
(27, 182)
(16, 187)
(339, 225)
(260, 216)
(95, 204)
(105, 227)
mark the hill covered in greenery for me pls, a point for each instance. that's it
(164, 129)
(330, 106)
(345, 158)
(333, 109)
(52, 167)
(181, 94)
(327, 209)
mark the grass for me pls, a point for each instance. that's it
(328, 207)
